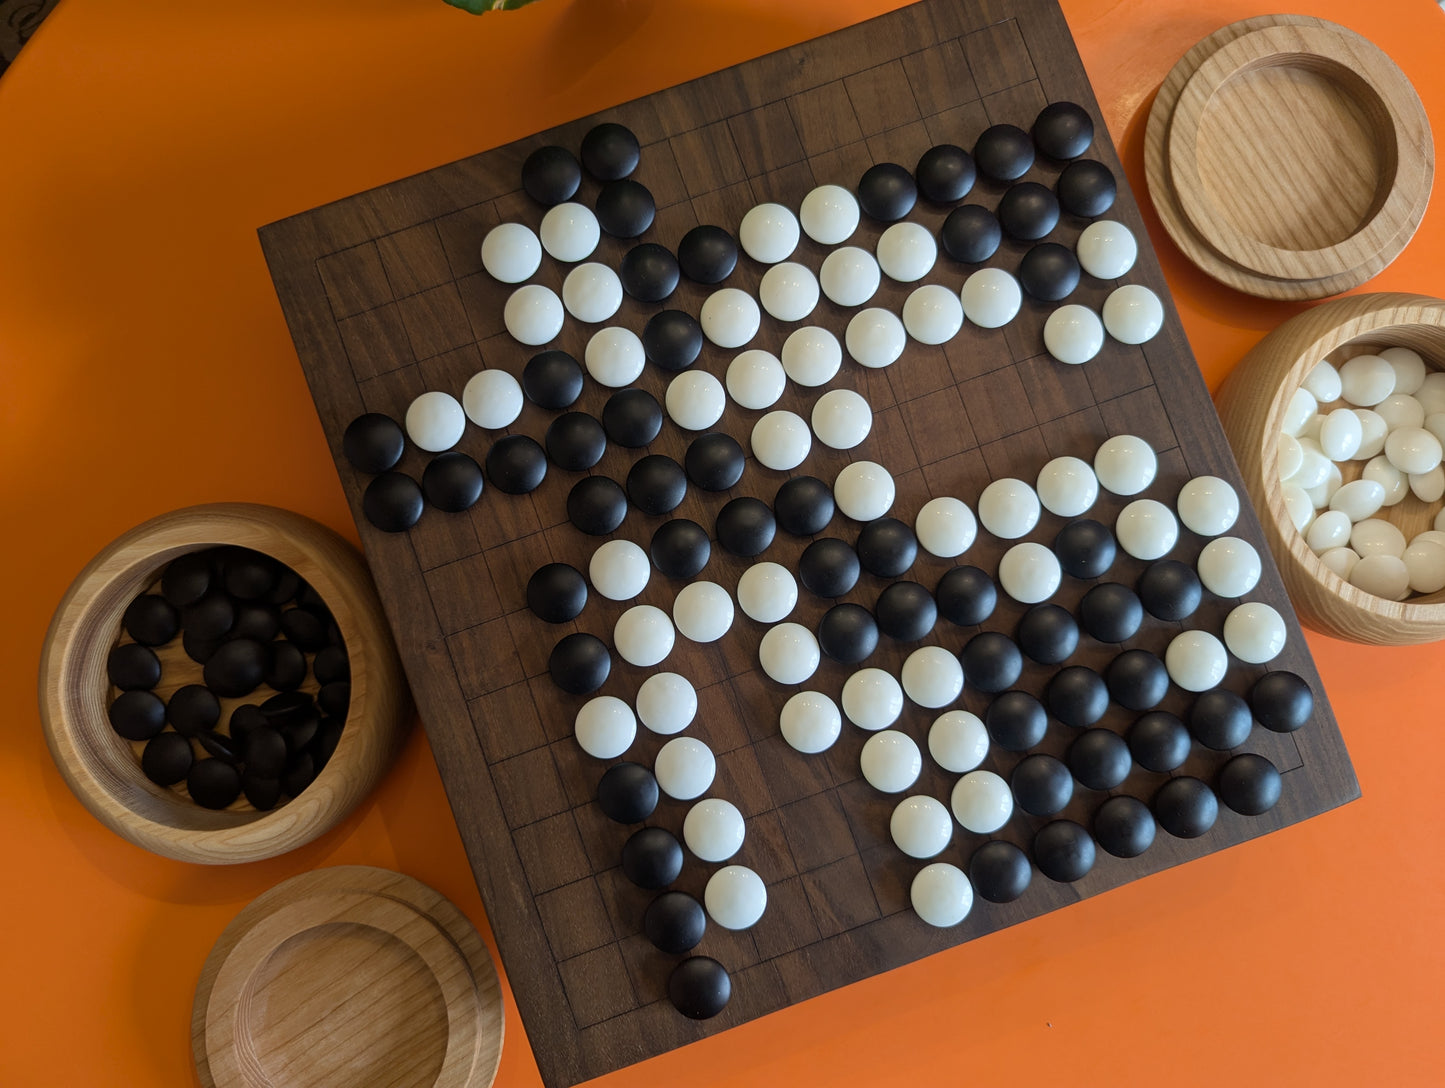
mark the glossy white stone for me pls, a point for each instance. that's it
(1425, 563)
(920, 826)
(492, 399)
(435, 421)
(1384, 576)
(1341, 434)
(713, 829)
(958, 741)
(1300, 409)
(1073, 334)
(788, 653)
(1323, 382)
(1125, 464)
(1330, 530)
(1106, 249)
(1008, 508)
(755, 379)
(991, 298)
(1374, 536)
(1207, 505)
(1254, 632)
(769, 233)
(1380, 471)
(695, 400)
(1321, 494)
(812, 355)
(643, 635)
(605, 727)
(1289, 456)
(1196, 660)
(849, 276)
(614, 357)
(945, 527)
(511, 252)
(890, 761)
(533, 314)
(1067, 487)
(864, 490)
(841, 419)
(1401, 410)
(906, 251)
(872, 699)
(1314, 465)
(875, 338)
(932, 677)
(1229, 567)
(1147, 529)
(789, 291)
(932, 314)
(1029, 572)
(619, 570)
(1133, 314)
(702, 611)
(735, 897)
(684, 768)
(1429, 487)
(810, 722)
(982, 802)
(592, 292)
(1408, 366)
(1298, 506)
(1359, 499)
(730, 317)
(1412, 449)
(1366, 380)
(941, 895)
(781, 440)
(1431, 393)
(829, 214)
(666, 703)
(767, 592)
(1373, 430)
(570, 232)
(1340, 560)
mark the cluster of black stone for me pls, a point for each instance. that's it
(250, 623)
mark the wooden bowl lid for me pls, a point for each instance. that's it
(344, 977)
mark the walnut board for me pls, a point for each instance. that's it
(385, 298)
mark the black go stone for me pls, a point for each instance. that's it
(575, 441)
(249, 575)
(1049, 272)
(452, 482)
(1016, 721)
(261, 791)
(707, 254)
(991, 662)
(288, 584)
(1063, 130)
(906, 611)
(166, 758)
(1185, 807)
(971, 234)
(804, 506)
(192, 708)
(625, 208)
(552, 380)
(1085, 548)
(649, 272)
(1028, 211)
(289, 708)
(1137, 680)
(1003, 152)
(674, 922)
(393, 502)
(1047, 634)
(887, 192)
(1124, 826)
(672, 339)
(887, 547)
(745, 527)
(829, 567)
(1099, 759)
(699, 987)
(680, 548)
(1086, 188)
(256, 620)
(373, 443)
(656, 484)
(999, 871)
(1169, 590)
(199, 650)
(300, 772)
(556, 593)
(237, 668)
(330, 664)
(652, 857)
(133, 667)
(714, 461)
(186, 579)
(1281, 701)
(632, 418)
(1220, 720)
(305, 627)
(327, 738)
(551, 175)
(1159, 742)
(212, 616)
(1250, 784)
(610, 151)
(1077, 696)
(151, 620)
(945, 173)
(244, 719)
(627, 793)
(285, 666)
(596, 505)
(579, 663)
(1063, 851)
(516, 464)
(219, 747)
(1042, 785)
(334, 698)
(848, 633)
(966, 596)
(137, 715)
(1111, 612)
(301, 734)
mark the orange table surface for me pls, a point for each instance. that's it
(144, 366)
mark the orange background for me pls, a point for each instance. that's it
(144, 365)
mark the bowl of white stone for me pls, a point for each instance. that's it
(1337, 420)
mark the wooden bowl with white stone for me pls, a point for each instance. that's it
(1252, 405)
(103, 770)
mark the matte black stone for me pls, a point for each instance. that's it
(905, 611)
(264, 751)
(192, 708)
(627, 793)
(199, 650)
(829, 567)
(237, 668)
(305, 627)
(300, 772)
(289, 707)
(552, 380)
(219, 747)
(244, 719)
(625, 208)
(887, 547)
(213, 783)
(848, 633)
(133, 667)
(210, 617)
(1185, 807)
(1169, 590)
(334, 698)
(166, 758)
(328, 736)
(714, 461)
(257, 620)
(331, 663)
(260, 790)
(652, 857)
(556, 592)
(649, 272)
(699, 987)
(707, 254)
(151, 620)
(966, 596)
(1099, 759)
(309, 598)
(971, 234)
(1085, 548)
(1063, 851)
(945, 173)
(579, 663)
(1049, 272)
(515, 464)
(1158, 741)
(299, 734)
(887, 192)
(452, 482)
(373, 443)
(1063, 130)
(1086, 188)
(1111, 612)
(1003, 152)
(803, 505)
(632, 418)
(1042, 785)
(1124, 826)
(1220, 719)
(656, 484)
(1047, 634)
(999, 871)
(596, 505)
(1282, 701)
(674, 922)
(551, 175)
(680, 548)
(1028, 211)
(1137, 680)
(745, 526)
(991, 662)
(575, 441)
(285, 666)
(249, 575)
(672, 339)
(288, 584)
(1016, 721)
(610, 151)
(393, 502)
(137, 715)
(1077, 696)
(1250, 784)
(186, 579)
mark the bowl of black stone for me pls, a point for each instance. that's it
(219, 685)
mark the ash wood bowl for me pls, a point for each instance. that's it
(102, 769)
(1252, 404)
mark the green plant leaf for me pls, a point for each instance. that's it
(477, 7)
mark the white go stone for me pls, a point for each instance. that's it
(605, 727)
(958, 741)
(941, 895)
(570, 232)
(982, 802)
(1323, 382)
(1373, 430)
(920, 826)
(1341, 434)
(735, 897)
(991, 298)
(533, 314)
(1380, 471)
(1432, 393)
(1289, 456)
(435, 421)
(1366, 380)
(1374, 536)
(829, 214)
(810, 722)
(1434, 423)
(767, 592)
(781, 440)
(1067, 487)
(789, 291)
(811, 356)
(684, 768)
(890, 761)
(1429, 487)
(1008, 508)
(614, 357)
(907, 251)
(666, 703)
(945, 527)
(1073, 334)
(1133, 314)
(730, 317)
(619, 570)
(1314, 465)
(872, 699)
(1302, 407)
(1229, 567)
(492, 399)
(875, 337)
(932, 314)
(1412, 449)
(1298, 505)
(1434, 535)
(713, 829)
(841, 419)
(1106, 249)
(1207, 506)
(1340, 560)
(511, 252)
(1029, 573)
(1321, 494)
(643, 635)
(1330, 530)
(1409, 369)
(1425, 563)
(769, 233)
(1384, 576)
(1196, 660)
(1147, 529)
(1254, 632)
(788, 653)
(932, 677)
(695, 400)
(1125, 464)
(592, 293)
(1358, 499)
(849, 276)
(755, 379)
(1312, 428)
(702, 611)
(864, 490)
(1401, 410)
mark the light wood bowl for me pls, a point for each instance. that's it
(1252, 404)
(101, 768)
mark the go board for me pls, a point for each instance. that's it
(387, 298)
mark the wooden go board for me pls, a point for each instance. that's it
(386, 298)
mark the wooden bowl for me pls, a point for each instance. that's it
(1252, 405)
(101, 768)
